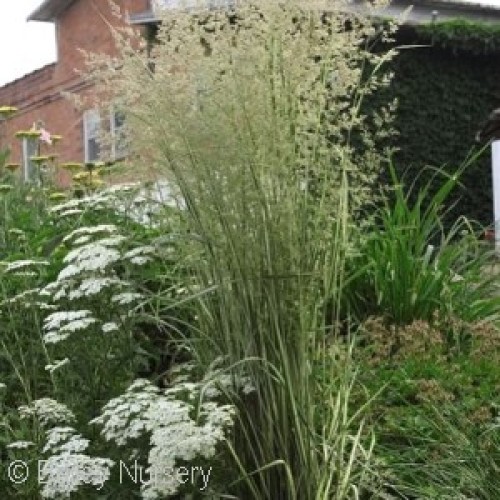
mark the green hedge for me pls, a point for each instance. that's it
(445, 92)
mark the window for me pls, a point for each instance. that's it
(30, 148)
(190, 4)
(91, 130)
(118, 139)
(174, 4)
(104, 138)
(220, 4)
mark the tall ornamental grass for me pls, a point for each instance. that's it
(251, 114)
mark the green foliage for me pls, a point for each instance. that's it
(436, 415)
(443, 99)
(83, 370)
(410, 267)
(462, 35)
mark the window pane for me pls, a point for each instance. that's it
(211, 4)
(30, 148)
(93, 150)
(119, 145)
(91, 130)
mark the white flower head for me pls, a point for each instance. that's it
(51, 368)
(174, 434)
(49, 412)
(109, 327)
(20, 445)
(62, 475)
(60, 325)
(126, 298)
(92, 286)
(91, 230)
(24, 264)
(64, 440)
(90, 257)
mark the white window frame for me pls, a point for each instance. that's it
(91, 128)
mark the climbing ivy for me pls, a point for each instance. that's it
(462, 35)
(444, 95)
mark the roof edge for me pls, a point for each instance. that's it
(29, 75)
(49, 10)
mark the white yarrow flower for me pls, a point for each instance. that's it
(126, 298)
(109, 327)
(23, 264)
(64, 440)
(57, 364)
(102, 228)
(72, 211)
(48, 411)
(59, 325)
(63, 474)
(20, 445)
(93, 286)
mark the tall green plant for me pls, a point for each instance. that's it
(412, 268)
(251, 114)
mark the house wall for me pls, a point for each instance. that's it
(38, 95)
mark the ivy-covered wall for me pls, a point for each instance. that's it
(445, 93)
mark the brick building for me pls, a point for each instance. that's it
(39, 95)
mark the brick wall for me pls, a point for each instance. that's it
(38, 95)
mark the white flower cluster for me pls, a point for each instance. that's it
(26, 297)
(66, 468)
(140, 255)
(60, 325)
(111, 326)
(88, 231)
(93, 257)
(64, 439)
(173, 434)
(126, 298)
(20, 445)
(58, 363)
(103, 200)
(215, 383)
(23, 264)
(122, 418)
(48, 412)
(88, 273)
(62, 474)
(94, 251)
(132, 200)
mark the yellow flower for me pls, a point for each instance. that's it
(6, 111)
(27, 133)
(72, 167)
(81, 176)
(95, 183)
(12, 166)
(39, 159)
(58, 196)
